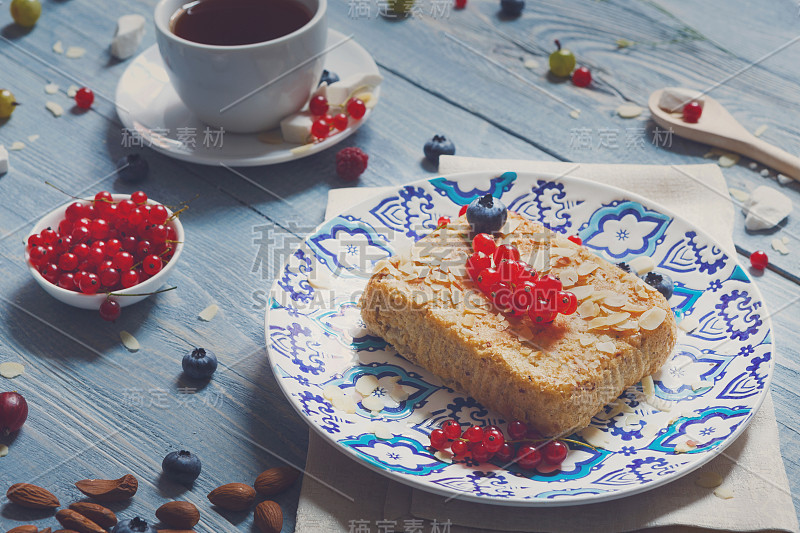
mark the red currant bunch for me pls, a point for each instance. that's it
(103, 246)
(513, 285)
(523, 447)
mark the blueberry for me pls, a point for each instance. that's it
(133, 525)
(512, 8)
(437, 146)
(661, 282)
(132, 168)
(486, 214)
(182, 467)
(328, 77)
(200, 364)
(625, 267)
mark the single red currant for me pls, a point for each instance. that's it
(139, 198)
(540, 313)
(109, 277)
(451, 428)
(510, 270)
(81, 234)
(125, 207)
(483, 242)
(112, 247)
(505, 251)
(501, 295)
(487, 279)
(462, 211)
(152, 265)
(523, 296)
(582, 77)
(577, 240)
(50, 272)
(528, 457)
(477, 263)
(110, 310)
(443, 221)
(566, 302)
(692, 112)
(89, 283)
(759, 260)
(67, 281)
(493, 440)
(48, 236)
(356, 108)
(123, 260)
(84, 98)
(96, 255)
(517, 429)
(320, 128)
(505, 454)
(318, 105)
(158, 214)
(74, 211)
(459, 447)
(65, 227)
(34, 241)
(340, 122)
(548, 286)
(129, 278)
(68, 262)
(438, 439)
(460, 4)
(480, 453)
(474, 434)
(99, 229)
(137, 217)
(554, 452)
(103, 196)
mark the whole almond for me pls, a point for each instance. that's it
(75, 521)
(275, 480)
(31, 496)
(268, 517)
(109, 490)
(46, 530)
(96, 513)
(180, 515)
(24, 529)
(233, 496)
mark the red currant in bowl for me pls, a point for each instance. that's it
(86, 270)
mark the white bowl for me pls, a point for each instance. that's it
(93, 301)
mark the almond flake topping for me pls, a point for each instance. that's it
(208, 313)
(582, 291)
(129, 341)
(652, 318)
(606, 347)
(568, 276)
(585, 340)
(587, 267)
(615, 300)
(588, 309)
(563, 252)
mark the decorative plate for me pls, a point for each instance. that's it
(707, 392)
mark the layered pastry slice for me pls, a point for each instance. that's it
(554, 376)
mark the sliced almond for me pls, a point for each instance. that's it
(689, 324)
(209, 313)
(585, 340)
(444, 456)
(648, 387)
(330, 392)
(606, 347)
(373, 403)
(129, 341)
(708, 479)
(563, 252)
(366, 384)
(344, 403)
(724, 493)
(652, 318)
(587, 267)
(615, 300)
(633, 308)
(588, 309)
(568, 277)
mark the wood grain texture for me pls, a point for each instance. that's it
(99, 411)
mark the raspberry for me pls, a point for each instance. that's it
(351, 162)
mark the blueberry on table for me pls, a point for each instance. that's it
(200, 364)
(512, 8)
(183, 467)
(661, 282)
(132, 168)
(328, 77)
(133, 525)
(486, 214)
(437, 146)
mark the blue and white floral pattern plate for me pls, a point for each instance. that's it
(707, 392)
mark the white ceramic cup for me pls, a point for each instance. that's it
(244, 88)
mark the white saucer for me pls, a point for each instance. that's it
(147, 104)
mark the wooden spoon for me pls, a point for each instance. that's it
(718, 128)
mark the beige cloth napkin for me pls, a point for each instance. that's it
(751, 467)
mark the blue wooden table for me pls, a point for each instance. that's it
(100, 411)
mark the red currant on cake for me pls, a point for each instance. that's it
(477, 263)
(577, 240)
(483, 242)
